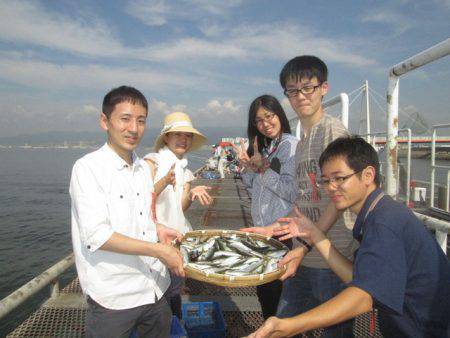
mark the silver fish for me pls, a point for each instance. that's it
(242, 248)
(231, 255)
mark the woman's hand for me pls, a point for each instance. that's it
(170, 179)
(201, 193)
(257, 160)
(242, 156)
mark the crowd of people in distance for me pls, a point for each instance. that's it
(353, 249)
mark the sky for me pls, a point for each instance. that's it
(208, 58)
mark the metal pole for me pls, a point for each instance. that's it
(392, 135)
(344, 109)
(367, 111)
(447, 193)
(408, 167)
(433, 168)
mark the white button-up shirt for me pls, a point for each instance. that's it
(108, 195)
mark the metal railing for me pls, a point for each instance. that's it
(50, 276)
(441, 236)
(434, 53)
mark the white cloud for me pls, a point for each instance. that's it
(193, 48)
(397, 21)
(28, 22)
(45, 75)
(160, 12)
(211, 30)
(180, 107)
(160, 107)
(215, 7)
(215, 108)
(90, 109)
(259, 43)
(163, 108)
(150, 12)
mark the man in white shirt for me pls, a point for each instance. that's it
(121, 265)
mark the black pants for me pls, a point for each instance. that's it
(268, 296)
(151, 320)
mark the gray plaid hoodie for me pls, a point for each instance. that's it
(273, 194)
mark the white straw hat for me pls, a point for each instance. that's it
(181, 122)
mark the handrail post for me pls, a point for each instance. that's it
(366, 88)
(447, 194)
(433, 163)
(408, 167)
(54, 288)
(392, 135)
(344, 109)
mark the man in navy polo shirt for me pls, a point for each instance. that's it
(399, 268)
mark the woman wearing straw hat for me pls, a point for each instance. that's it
(173, 182)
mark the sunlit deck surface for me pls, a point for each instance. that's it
(64, 316)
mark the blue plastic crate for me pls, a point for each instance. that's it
(176, 330)
(203, 320)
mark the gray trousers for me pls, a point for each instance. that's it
(150, 320)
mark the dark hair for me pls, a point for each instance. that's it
(271, 104)
(305, 66)
(122, 94)
(357, 153)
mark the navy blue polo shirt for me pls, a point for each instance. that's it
(401, 266)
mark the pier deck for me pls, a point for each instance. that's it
(64, 315)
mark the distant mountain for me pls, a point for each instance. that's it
(97, 138)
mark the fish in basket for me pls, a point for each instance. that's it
(231, 258)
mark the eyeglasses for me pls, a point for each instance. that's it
(335, 181)
(266, 118)
(306, 90)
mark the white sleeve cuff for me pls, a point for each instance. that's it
(99, 238)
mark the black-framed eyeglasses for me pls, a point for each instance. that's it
(336, 181)
(306, 90)
(266, 118)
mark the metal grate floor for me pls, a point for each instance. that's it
(73, 287)
(52, 322)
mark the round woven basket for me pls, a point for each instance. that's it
(234, 281)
